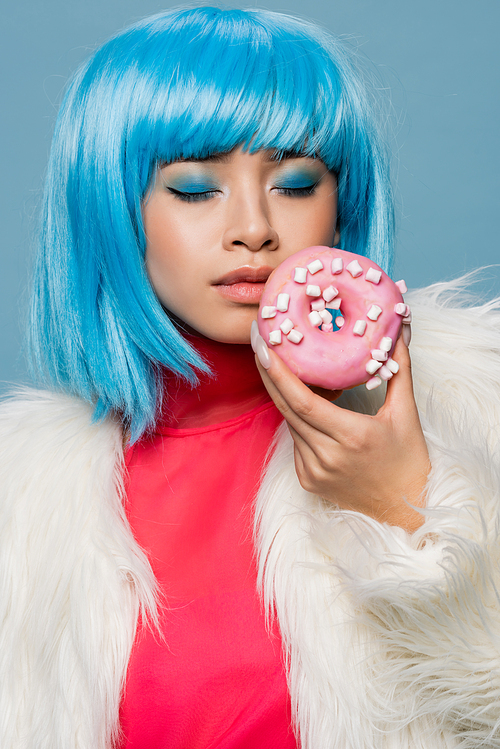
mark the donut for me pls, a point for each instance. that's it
(339, 352)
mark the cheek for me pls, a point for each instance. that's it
(159, 272)
(326, 212)
(174, 277)
(177, 276)
(314, 224)
(158, 251)
(165, 249)
(325, 223)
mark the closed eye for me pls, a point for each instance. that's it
(192, 197)
(298, 192)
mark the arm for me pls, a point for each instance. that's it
(427, 603)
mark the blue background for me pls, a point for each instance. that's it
(438, 60)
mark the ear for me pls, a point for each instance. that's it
(336, 237)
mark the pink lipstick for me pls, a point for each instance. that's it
(243, 285)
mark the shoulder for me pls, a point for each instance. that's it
(448, 317)
(455, 349)
(42, 420)
(51, 445)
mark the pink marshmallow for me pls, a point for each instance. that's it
(318, 305)
(373, 383)
(401, 309)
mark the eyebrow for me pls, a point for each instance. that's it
(284, 155)
(213, 158)
(224, 156)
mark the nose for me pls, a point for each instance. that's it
(248, 224)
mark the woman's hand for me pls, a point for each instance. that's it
(377, 465)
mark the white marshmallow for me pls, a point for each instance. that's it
(374, 312)
(392, 366)
(268, 312)
(354, 268)
(373, 383)
(407, 318)
(330, 293)
(337, 265)
(286, 326)
(385, 344)
(312, 290)
(359, 327)
(282, 302)
(339, 321)
(401, 309)
(326, 316)
(373, 366)
(335, 303)
(379, 355)
(295, 336)
(327, 327)
(315, 318)
(300, 275)
(275, 337)
(373, 275)
(318, 305)
(315, 266)
(402, 286)
(384, 372)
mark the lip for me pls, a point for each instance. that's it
(243, 285)
(245, 274)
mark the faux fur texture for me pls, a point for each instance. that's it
(72, 578)
(392, 640)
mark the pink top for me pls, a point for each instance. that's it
(217, 679)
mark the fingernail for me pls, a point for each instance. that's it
(262, 352)
(254, 333)
(406, 335)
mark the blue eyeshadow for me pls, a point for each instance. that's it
(192, 185)
(297, 178)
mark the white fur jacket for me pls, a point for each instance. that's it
(392, 640)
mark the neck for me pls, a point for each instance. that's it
(233, 388)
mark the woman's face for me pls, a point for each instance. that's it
(217, 227)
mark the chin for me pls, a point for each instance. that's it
(233, 331)
(234, 335)
(224, 326)
(244, 338)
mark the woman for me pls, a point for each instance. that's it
(192, 154)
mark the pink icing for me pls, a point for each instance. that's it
(334, 359)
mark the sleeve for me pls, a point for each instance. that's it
(433, 598)
(72, 578)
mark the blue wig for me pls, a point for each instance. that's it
(185, 83)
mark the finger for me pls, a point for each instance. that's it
(294, 399)
(329, 395)
(292, 412)
(400, 394)
(310, 467)
(320, 452)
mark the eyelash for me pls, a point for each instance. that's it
(192, 197)
(197, 197)
(298, 192)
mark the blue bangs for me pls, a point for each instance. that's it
(253, 91)
(185, 83)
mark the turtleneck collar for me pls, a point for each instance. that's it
(234, 387)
